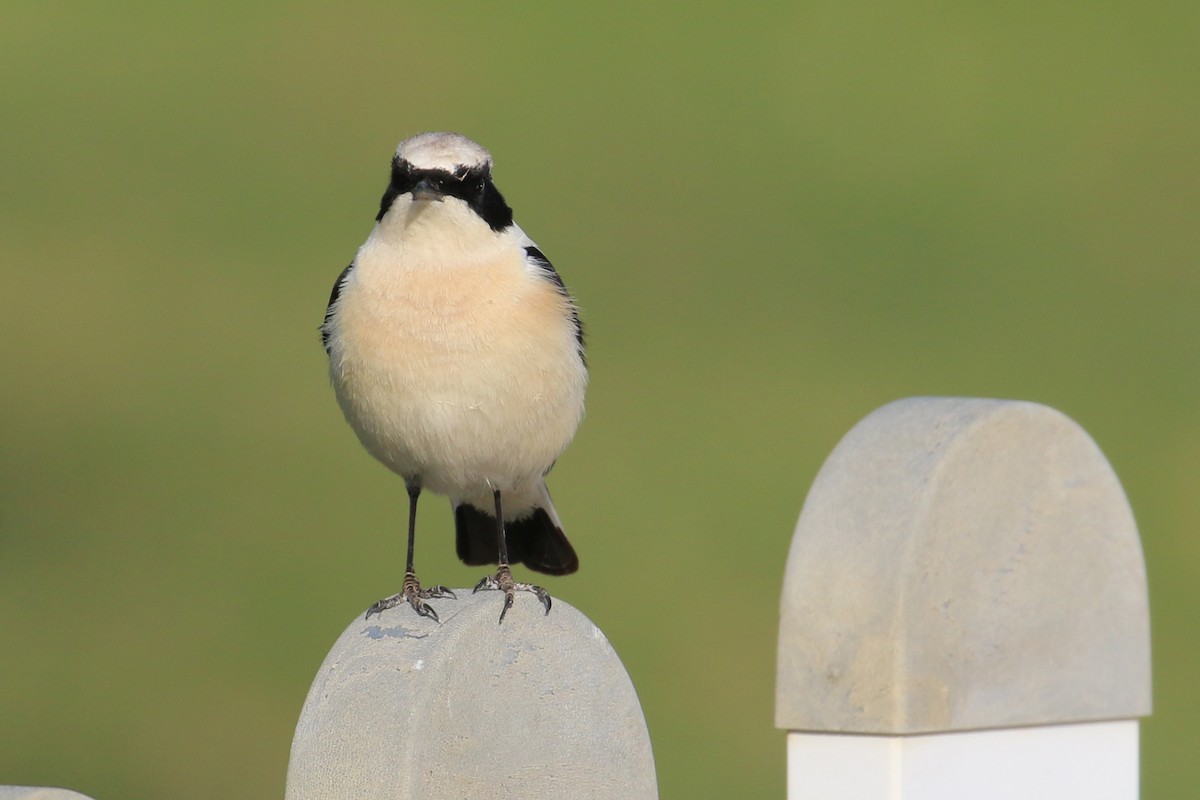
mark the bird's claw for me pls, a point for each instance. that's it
(503, 581)
(415, 596)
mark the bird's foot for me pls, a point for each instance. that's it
(503, 581)
(415, 596)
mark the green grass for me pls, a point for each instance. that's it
(776, 219)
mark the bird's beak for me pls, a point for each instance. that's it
(425, 190)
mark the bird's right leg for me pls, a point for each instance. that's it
(412, 593)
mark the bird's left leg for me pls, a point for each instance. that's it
(503, 579)
(412, 593)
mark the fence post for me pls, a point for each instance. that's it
(964, 613)
(537, 707)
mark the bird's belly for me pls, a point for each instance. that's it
(459, 395)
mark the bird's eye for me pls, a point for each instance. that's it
(479, 186)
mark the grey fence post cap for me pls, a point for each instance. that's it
(537, 707)
(39, 793)
(963, 564)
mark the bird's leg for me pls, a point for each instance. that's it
(412, 593)
(503, 579)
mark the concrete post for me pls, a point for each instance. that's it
(537, 707)
(964, 612)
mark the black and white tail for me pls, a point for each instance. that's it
(536, 540)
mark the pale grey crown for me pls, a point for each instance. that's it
(444, 151)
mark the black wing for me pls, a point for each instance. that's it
(333, 296)
(538, 258)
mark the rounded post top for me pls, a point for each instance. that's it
(963, 564)
(536, 707)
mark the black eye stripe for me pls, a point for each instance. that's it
(472, 185)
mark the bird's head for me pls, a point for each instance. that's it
(439, 167)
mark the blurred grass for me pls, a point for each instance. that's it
(776, 218)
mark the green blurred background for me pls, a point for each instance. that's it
(777, 217)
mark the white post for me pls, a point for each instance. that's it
(964, 613)
(538, 707)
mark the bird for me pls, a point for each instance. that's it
(456, 353)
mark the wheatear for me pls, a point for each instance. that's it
(456, 354)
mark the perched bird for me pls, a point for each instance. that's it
(456, 354)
